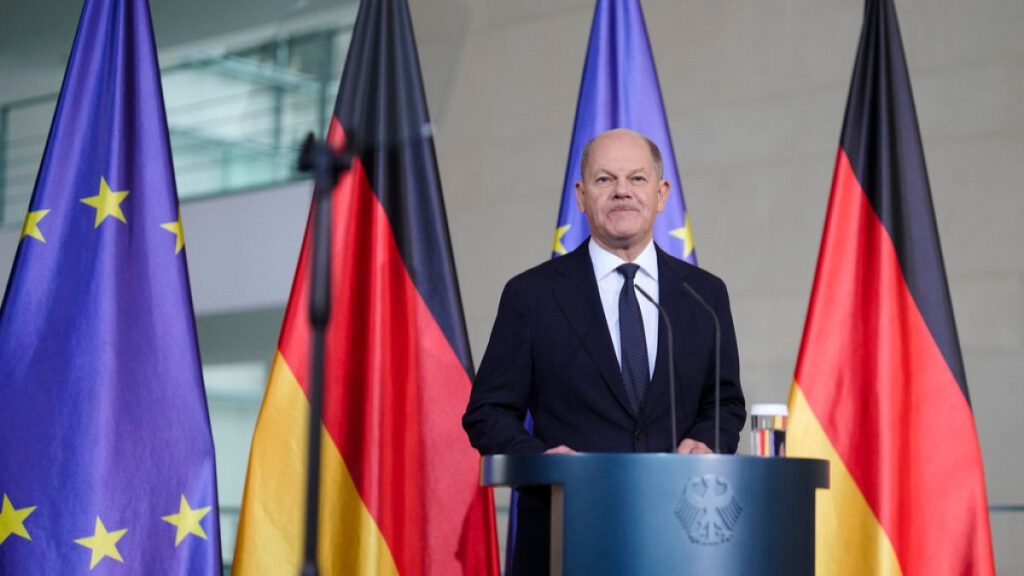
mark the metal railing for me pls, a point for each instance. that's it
(236, 121)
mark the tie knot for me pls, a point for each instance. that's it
(628, 271)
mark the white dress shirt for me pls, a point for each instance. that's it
(609, 285)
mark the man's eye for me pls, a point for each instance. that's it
(603, 179)
(638, 179)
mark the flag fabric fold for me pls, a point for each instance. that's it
(880, 388)
(400, 487)
(106, 456)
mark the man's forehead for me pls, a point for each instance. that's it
(620, 149)
(627, 154)
(619, 141)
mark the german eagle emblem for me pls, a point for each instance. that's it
(708, 510)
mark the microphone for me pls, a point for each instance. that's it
(718, 358)
(671, 366)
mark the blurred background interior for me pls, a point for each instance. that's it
(755, 93)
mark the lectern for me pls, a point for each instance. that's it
(673, 514)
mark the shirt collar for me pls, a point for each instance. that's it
(605, 262)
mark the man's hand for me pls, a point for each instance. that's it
(691, 446)
(560, 449)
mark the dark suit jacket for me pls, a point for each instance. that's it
(551, 354)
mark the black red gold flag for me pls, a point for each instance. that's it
(400, 487)
(880, 388)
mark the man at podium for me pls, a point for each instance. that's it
(577, 345)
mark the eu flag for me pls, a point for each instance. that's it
(620, 90)
(106, 458)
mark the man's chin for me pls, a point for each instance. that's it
(622, 240)
(625, 226)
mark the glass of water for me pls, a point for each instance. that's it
(768, 429)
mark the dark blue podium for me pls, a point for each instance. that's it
(672, 514)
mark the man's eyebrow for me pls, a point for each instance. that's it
(634, 171)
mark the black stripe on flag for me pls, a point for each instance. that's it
(382, 104)
(882, 141)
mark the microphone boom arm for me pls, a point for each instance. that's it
(718, 359)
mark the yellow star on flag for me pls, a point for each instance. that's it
(187, 521)
(103, 544)
(31, 226)
(686, 235)
(178, 231)
(12, 520)
(107, 203)
(559, 233)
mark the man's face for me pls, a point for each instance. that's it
(621, 192)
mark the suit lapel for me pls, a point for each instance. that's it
(577, 294)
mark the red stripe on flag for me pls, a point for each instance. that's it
(885, 396)
(394, 394)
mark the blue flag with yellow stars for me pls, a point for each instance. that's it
(620, 90)
(106, 457)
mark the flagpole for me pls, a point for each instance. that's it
(327, 165)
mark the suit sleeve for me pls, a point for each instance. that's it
(500, 397)
(733, 405)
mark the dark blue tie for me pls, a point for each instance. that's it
(635, 369)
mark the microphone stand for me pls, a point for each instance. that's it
(327, 165)
(718, 359)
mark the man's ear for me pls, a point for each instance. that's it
(579, 197)
(663, 188)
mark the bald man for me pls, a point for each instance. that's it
(576, 346)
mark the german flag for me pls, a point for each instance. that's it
(880, 389)
(399, 480)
